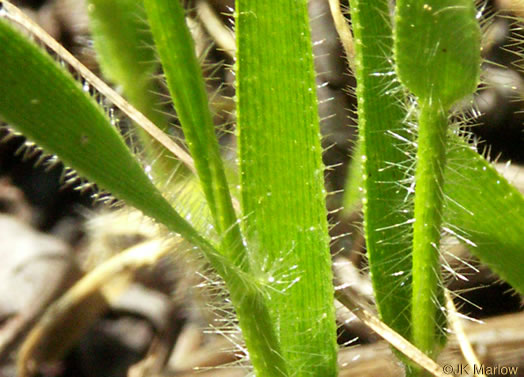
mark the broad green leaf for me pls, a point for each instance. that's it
(282, 179)
(437, 49)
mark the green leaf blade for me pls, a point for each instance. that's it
(486, 212)
(51, 109)
(437, 49)
(281, 178)
(383, 138)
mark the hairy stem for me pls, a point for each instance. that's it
(429, 177)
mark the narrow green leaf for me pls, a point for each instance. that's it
(386, 202)
(281, 179)
(125, 52)
(51, 109)
(485, 212)
(186, 85)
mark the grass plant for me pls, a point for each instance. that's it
(419, 176)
